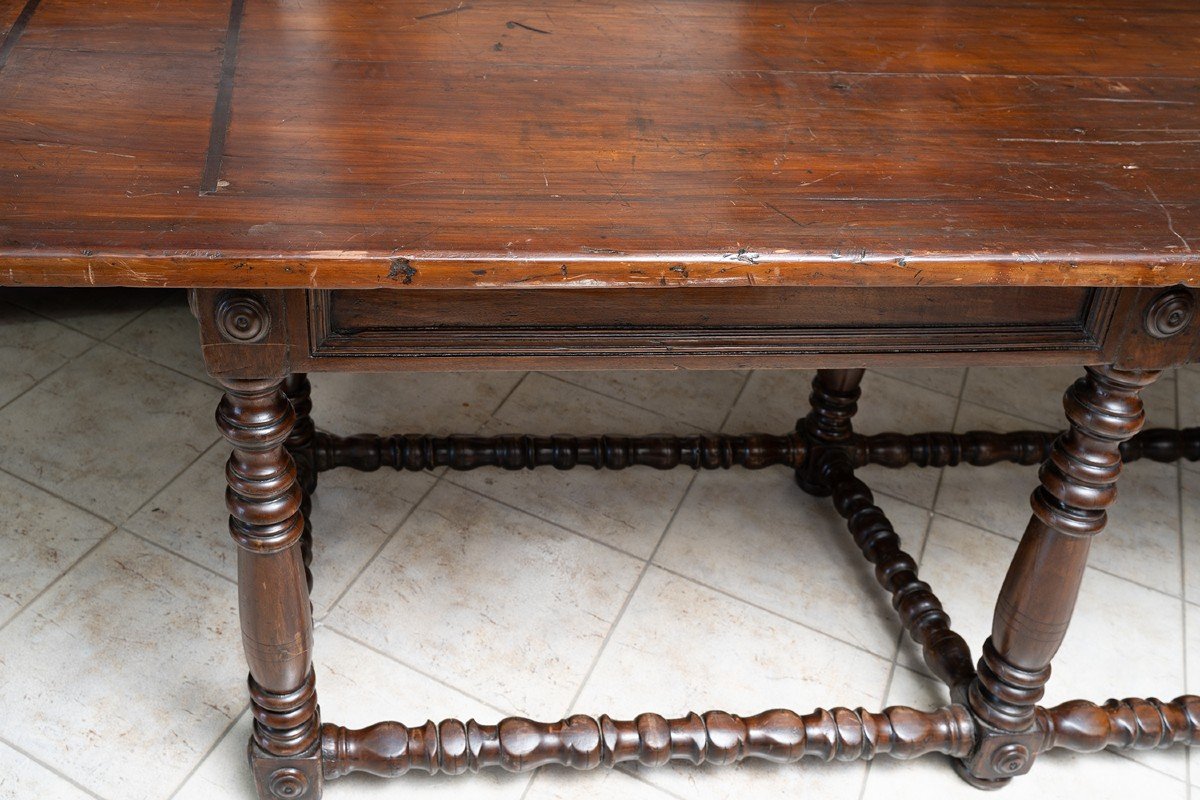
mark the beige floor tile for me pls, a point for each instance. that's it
(1192, 654)
(757, 536)
(502, 605)
(1141, 541)
(1036, 394)
(947, 381)
(681, 648)
(21, 777)
(31, 347)
(358, 687)
(97, 312)
(773, 401)
(628, 509)
(414, 402)
(126, 672)
(167, 334)
(353, 514)
(562, 783)
(108, 431)
(995, 497)
(1058, 775)
(700, 398)
(40, 537)
(1190, 482)
(1189, 403)
(1123, 640)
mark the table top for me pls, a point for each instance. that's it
(438, 143)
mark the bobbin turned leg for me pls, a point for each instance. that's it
(1078, 482)
(264, 501)
(834, 401)
(300, 444)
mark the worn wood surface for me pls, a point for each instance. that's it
(433, 143)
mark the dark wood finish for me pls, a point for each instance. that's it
(265, 521)
(390, 749)
(416, 452)
(390, 146)
(735, 327)
(921, 613)
(691, 183)
(368, 452)
(833, 403)
(301, 443)
(1078, 482)
(829, 471)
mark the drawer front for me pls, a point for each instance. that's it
(705, 327)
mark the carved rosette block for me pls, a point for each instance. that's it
(242, 318)
(453, 747)
(265, 521)
(1170, 313)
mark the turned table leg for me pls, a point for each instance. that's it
(1078, 482)
(300, 444)
(834, 401)
(264, 500)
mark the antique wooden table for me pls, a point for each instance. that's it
(423, 185)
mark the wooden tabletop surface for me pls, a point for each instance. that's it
(438, 143)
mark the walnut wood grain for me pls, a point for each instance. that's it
(1078, 483)
(1129, 724)
(390, 749)
(300, 445)
(264, 501)
(920, 612)
(376, 145)
(415, 452)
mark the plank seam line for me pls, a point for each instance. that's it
(223, 108)
(14, 33)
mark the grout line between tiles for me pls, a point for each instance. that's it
(1059, 425)
(1187, 761)
(628, 600)
(924, 386)
(50, 768)
(646, 565)
(554, 377)
(135, 317)
(102, 540)
(638, 776)
(58, 497)
(419, 670)
(1092, 567)
(216, 743)
(559, 525)
(181, 556)
(38, 596)
(524, 377)
(95, 343)
(529, 784)
(142, 357)
(383, 544)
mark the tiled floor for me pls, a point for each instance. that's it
(490, 593)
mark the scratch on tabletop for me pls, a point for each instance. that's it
(446, 11)
(1170, 222)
